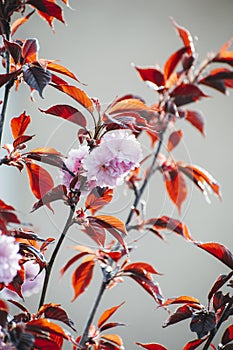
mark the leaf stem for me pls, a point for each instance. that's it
(140, 192)
(54, 255)
(92, 314)
(218, 325)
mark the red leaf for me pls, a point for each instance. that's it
(228, 335)
(172, 62)
(36, 77)
(14, 49)
(141, 268)
(150, 287)
(20, 21)
(29, 50)
(184, 299)
(21, 140)
(168, 223)
(132, 104)
(20, 124)
(48, 7)
(182, 313)
(185, 36)
(107, 314)
(176, 188)
(219, 251)
(51, 65)
(68, 113)
(55, 312)
(174, 139)
(55, 194)
(201, 178)
(196, 119)
(72, 261)
(112, 339)
(193, 344)
(186, 93)
(151, 74)
(40, 180)
(4, 78)
(152, 346)
(217, 79)
(77, 94)
(221, 280)
(98, 198)
(81, 277)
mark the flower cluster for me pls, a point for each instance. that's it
(9, 258)
(107, 164)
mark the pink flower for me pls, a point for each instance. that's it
(9, 258)
(118, 153)
(74, 164)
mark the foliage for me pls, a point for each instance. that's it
(109, 154)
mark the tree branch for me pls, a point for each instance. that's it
(54, 255)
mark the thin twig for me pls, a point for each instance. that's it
(54, 255)
(92, 314)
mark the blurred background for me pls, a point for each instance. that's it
(100, 41)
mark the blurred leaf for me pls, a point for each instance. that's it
(55, 312)
(19, 124)
(173, 61)
(174, 139)
(20, 21)
(186, 93)
(217, 79)
(227, 335)
(184, 299)
(185, 36)
(193, 344)
(196, 119)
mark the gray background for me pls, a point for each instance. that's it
(99, 43)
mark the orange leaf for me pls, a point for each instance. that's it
(176, 188)
(107, 314)
(172, 62)
(44, 325)
(113, 338)
(141, 268)
(185, 36)
(112, 221)
(128, 105)
(81, 277)
(19, 21)
(39, 179)
(61, 69)
(77, 94)
(98, 198)
(174, 139)
(184, 299)
(219, 251)
(20, 124)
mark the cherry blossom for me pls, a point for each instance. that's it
(9, 258)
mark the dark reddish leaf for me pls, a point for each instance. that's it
(221, 280)
(107, 314)
(202, 323)
(173, 61)
(98, 198)
(56, 193)
(9, 217)
(174, 139)
(21, 140)
(36, 77)
(81, 277)
(194, 344)
(43, 325)
(47, 344)
(113, 225)
(184, 299)
(186, 93)
(130, 120)
(77, 94)
(176, 187)
(4, 306)
(111, 342)
(109, 325)
(220, 300)
(217, 79)
(20, 124)
(4, 206)
(152, 346)
(30, 50)
(227, 335)
(196, 119)
(95, 231)
(185, 36)
(16, 284)
(55, 312)
(168, 223)
(26, 249)
(20, 21)
(51, 65)
(201, 178)
(68, 113)
(28, 235)
(181, 313)
(72, 261)
(48, 7)
(40, 180)
(151, 74)
(4, 78)
(219, 251)
(14, 49)
(228, 347)
(42, 156)
(150, 287)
